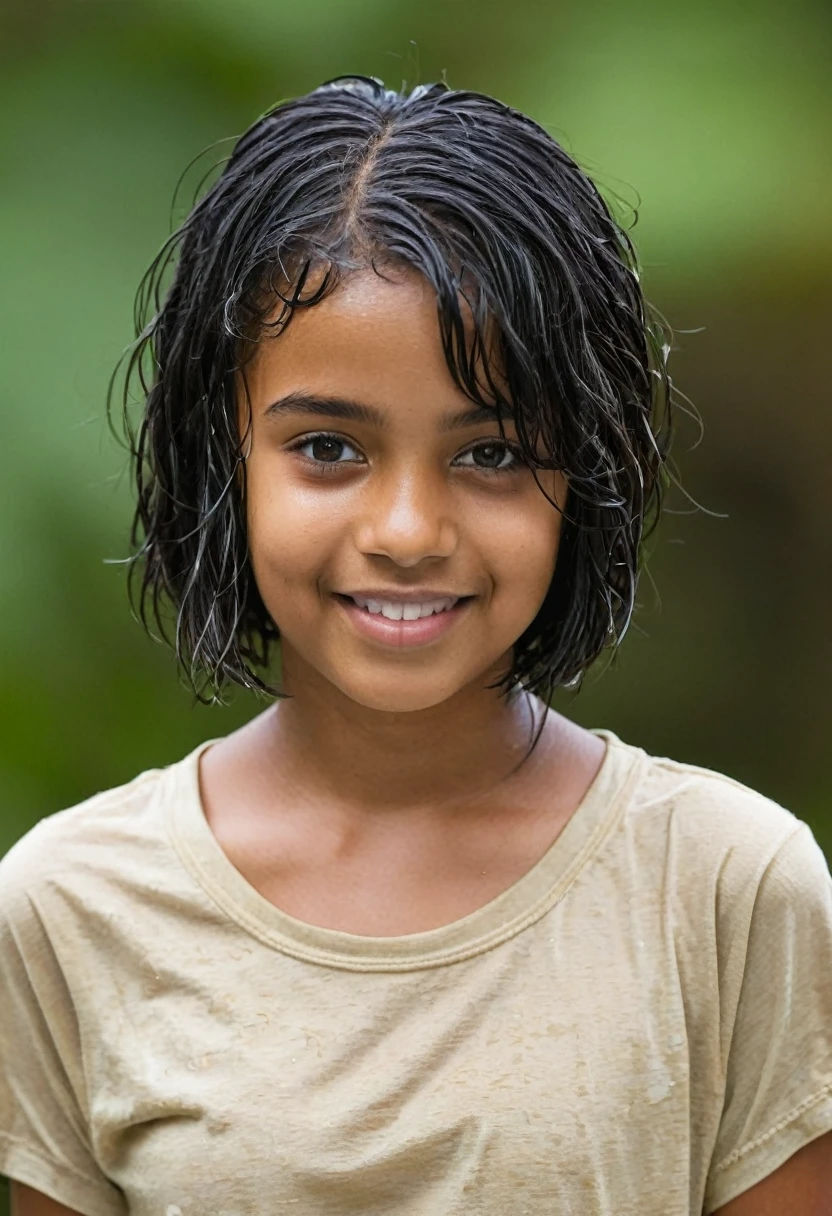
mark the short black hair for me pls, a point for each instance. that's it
(508, 231)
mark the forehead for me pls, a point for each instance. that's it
(376, 337)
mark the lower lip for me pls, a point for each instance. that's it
(403, 633)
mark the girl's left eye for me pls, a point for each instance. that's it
(496, 457)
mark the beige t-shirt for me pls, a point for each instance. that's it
(640, 1026)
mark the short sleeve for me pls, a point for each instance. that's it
(778, 1094)
(44, 1140)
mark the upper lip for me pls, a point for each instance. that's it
(400, 596)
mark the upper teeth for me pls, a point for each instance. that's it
(395, 610)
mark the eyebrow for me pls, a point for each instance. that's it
(300, 402)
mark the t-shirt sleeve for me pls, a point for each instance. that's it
(44, 1138)
(778, 1094)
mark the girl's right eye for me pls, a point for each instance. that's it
(324, 450)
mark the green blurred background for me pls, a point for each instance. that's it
(717, 117)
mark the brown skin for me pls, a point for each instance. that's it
(382, 799)
(402, 516)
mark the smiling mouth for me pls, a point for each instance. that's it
(384, 622)
(400, 610)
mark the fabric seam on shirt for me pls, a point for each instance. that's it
(418, 962)
(496, 937)
(697, 770)
(765, 862)
(58, 867)
(793, 1114)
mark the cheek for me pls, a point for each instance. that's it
(526, 546)
(290, 534)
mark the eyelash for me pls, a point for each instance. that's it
(327, 467)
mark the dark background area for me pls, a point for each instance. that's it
(715, 119)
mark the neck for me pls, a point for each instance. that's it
(451, 754)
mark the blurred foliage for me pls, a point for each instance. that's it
(714, 120)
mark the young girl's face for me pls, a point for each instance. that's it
(364, 480)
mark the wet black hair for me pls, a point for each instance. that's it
(541, 316)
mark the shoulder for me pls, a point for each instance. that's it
(717, 837)
(100, 835)
(711, 808)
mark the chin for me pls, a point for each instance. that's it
(400, 693)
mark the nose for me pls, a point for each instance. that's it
(407, 519)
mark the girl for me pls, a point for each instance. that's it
(410, 941)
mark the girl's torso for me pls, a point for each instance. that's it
(588, 1041)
